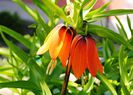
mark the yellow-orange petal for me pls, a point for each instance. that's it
(43, 49)
(64, 52)
(49, 39)
(57, 42)
(78, 58)
(53, 31)
(93, 63)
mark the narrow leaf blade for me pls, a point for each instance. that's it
(16, 36)
(107, 83)
(19, 52)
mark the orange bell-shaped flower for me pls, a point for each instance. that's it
(84, 55)
(58, 42)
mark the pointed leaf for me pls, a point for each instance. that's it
(89, 85)
(122, 30)
(109, 13)
(16, 36)
(107, 33)
(129, 25)
(42, 23)
(27, 9)
(97, 11)
(19, 52)
(42, 7)
(4, 51)
(107, 83)
(123, 71)
(114, 13)
(88, 7)
(45, 89)
(20, 84)
(55, 9)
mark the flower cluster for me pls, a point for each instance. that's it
(78, 51)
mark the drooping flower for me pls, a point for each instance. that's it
(58, 42)
(84, 55)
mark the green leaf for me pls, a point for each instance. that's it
(42, 23)
(77, 16)
(16, 36)
(45, 89)
(107, 33)
(84, 2)
(21, 84)
(106, 50)
(89, 85)
(121, 29)
(72, 84)
(131, 74)
(27, 9)
(109, 13)
(122, 66)
(97, 11)
(4, 79)
(42, 7)
(34, 14)
(114, 13)
(4, 51)
(129, 25)
(55, 9)
(124, 88)
(5, 69)
(40, 34)
(107, 83)
(19, 52)
(88, 7)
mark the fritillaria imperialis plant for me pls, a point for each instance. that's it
(95, 59)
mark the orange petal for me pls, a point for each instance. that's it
(49, 39)
(57, 42)
(74, 42)
(78, 58)
(93, 64)
(65, 50)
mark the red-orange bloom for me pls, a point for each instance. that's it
(84, 55)
(58, 43)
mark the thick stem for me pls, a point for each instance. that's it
(66, 79)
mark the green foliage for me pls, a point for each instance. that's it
(27, 71)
